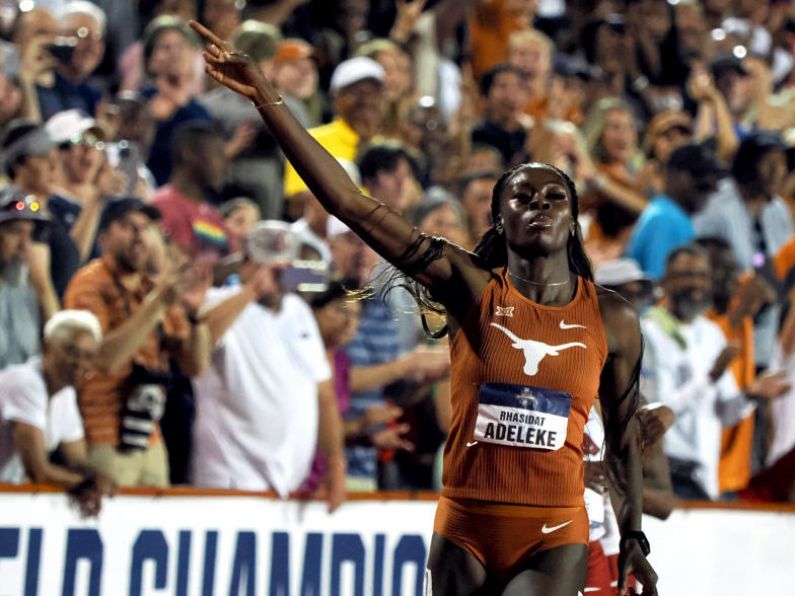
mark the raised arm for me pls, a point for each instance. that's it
(385, 230)
(619, 395)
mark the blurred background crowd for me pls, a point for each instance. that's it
(175, 305)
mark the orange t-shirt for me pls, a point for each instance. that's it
(784, 260)
(94, 288)
(734, 470)
(489, 31)
(524, 377)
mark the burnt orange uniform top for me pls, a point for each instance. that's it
(514, 438)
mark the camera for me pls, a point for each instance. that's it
(62, 49)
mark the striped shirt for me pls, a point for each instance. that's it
(94, 288)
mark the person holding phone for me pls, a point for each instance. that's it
(530, 330)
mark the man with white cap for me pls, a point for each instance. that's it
(357, 87)
(266, 400)
(625, 277)
(86, 180)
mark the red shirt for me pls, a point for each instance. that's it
(196, 227)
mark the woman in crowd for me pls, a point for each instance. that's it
(511, 518)
(615, 197)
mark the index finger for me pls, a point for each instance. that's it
(206, 33)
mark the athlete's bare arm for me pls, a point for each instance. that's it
(621, 429)
(454, 279)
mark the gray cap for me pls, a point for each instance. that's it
(36, 142)
(619, 272)
(15, 205)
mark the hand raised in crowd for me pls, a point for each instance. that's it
(241, 139)
(110, 182)
(754, 293)
(428, 364)
(234, 69)
(654, 420)
(392, 438)
(724, 359)
(700, 85)
(770, 385)
(36, 60)
(377, 414)
(196, 287)
(408, 12)
(89, 493)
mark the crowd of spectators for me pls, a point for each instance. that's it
(177, 308)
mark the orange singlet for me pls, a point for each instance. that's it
(524, 377)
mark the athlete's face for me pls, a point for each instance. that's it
(536, 212)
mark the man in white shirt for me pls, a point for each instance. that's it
(684, 367)
(39, 414)
(267, 401)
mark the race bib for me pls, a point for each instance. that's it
(521, 416)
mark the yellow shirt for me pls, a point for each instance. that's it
(337, 138)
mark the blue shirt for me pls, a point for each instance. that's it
(376, 342)
(160, 155)
(66, 95)
(662, 227)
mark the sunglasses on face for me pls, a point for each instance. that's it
(87, 140)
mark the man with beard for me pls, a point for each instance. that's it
(198, 163)
(685, 367)
(143, 323)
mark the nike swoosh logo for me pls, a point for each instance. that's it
(472, 443)
(563, 325)
(546, 530)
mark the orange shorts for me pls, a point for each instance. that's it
(504, 537)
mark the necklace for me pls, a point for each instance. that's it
(537, 283)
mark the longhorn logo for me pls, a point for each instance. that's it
(535, 351)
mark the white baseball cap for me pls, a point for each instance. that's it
(69, 124)
(354, 70)
(619, 272)
(335, 227)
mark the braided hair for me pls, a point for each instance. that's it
(491, 251)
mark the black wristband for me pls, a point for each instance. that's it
(192, 318)
(638, 535)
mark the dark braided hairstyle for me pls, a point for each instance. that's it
(492, 249)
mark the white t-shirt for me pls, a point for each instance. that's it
(257, 403)
(679, 378)
(23, 398)
(783, 411)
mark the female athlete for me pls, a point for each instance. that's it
(532, 341)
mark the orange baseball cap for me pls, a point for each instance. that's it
(292, 49)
